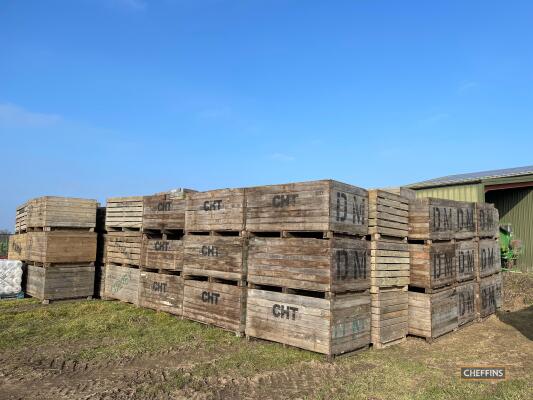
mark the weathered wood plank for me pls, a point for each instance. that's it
(60, 212)
(122, 283)
(162, 292)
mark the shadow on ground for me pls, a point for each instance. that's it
(521, 320)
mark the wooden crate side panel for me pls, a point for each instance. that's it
(419, 314)
(432, 265)
(295, 320)
(466, 253)
(215, 210)
(390, 263)
(348, 209)
(432, 219)
(163, 212)
(466, 302)
(465, 226)
(61, 212)
(487, 220)
(291, 207)
(490, 294)
(18, 247)
(35, 281)
(444, 312)
(124, 212)
(388, 214)
(162, 254)
(123, 247)
(62, 247)
(215, 304)
(350, 322)
(216, 256)
(161, 292)
(68, 282)
(21, 219)
(489, 257)
(389, 315)
(122, 283)
(310, 264)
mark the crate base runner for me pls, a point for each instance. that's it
(161, 291)
(433, 314)
(122, 283)
(60, 283)
(389, 315)
(332, 326)
(215, 303)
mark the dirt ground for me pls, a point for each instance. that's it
(109, 350)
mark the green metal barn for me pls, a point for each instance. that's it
(510, 190)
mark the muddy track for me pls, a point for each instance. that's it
(38, 377)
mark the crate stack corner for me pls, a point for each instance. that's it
(308, 261)
(389, 271)
(56, 239)
(215, 259)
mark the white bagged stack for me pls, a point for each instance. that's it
(10, 277)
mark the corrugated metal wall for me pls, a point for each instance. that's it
(516, 208)
(472, 193)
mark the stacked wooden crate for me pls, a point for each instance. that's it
(308, 266)
(215, 254)
(59, 247)
(447, 245)
(488, 266)
(123, 223)
(389, 269)
(161, 281)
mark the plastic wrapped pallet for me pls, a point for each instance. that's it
(10, 277)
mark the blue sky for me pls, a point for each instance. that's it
(103, 98)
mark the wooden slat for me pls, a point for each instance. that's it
(122, 283)
(161, 292)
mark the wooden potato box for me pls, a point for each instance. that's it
(123, 248)
(215, 210)
(18, 247)
(122, 283)
(162, 254)
(433, 315)
(466, 302)
(124, 212)
(217, 304)
(58, 283)
(388, 214)
(161, 291)
(324, 265)
(20, 219)
(489, 257)
(223, 257)
(329, 326)
(487, 220)
(466, 254)
(165, 211)
(432, 265)
(465, 220)
(61, 212)
(389, 261)
(432, 219)
(490, 295)
(389, 314)
(309, 206)
(62, 247)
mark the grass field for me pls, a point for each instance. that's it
(111, 350)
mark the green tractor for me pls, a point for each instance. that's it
(510, 248)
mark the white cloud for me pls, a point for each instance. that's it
(282, 157)
(14, 116)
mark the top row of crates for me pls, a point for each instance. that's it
(317, 206)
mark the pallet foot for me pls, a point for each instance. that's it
(379, 345)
